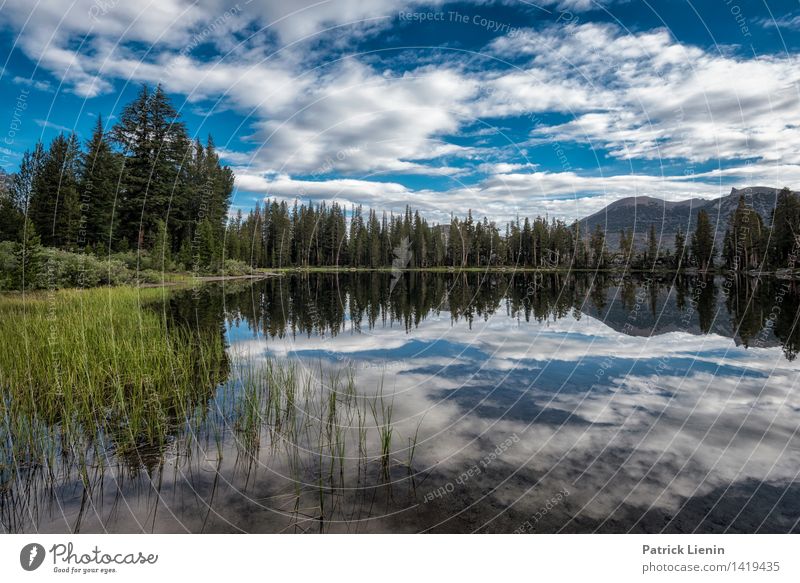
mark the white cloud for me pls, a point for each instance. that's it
(37, 84)
(651, 97)
(359, 121)
(504, 167)
(43, 123)
(502, 196)
(788, 21)
(639, 95)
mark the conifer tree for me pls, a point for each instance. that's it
(55, 202)
(98, 187)
(703, 242)
(680, 248)
(28, 255)
(10, 213)
(652, 247)
(598, 248)
(785, 228)
(29, 168)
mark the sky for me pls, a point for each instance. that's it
(507, 108)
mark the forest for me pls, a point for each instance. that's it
(277, 234)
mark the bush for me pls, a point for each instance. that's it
(236, 267)
(149, 276)
(131, 259)
(65, 269)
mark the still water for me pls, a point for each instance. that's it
(461, 403)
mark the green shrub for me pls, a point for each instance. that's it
(236, 267)
(132, 260)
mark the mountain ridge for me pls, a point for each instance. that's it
(640, 212)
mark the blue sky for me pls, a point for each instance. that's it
(558, 107)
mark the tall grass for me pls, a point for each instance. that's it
(104, 378)
(99, 365)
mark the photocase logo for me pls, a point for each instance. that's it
(31, 556)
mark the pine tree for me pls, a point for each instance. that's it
(743, 243)
(625, 245)
(598, 248)
(703, 242)
(55, 203)
(28, 255)
(133, 134)
(155, 149)
(680, 248)
(22, 184)
(207, 254)
(162, 252)
(10, 213)
(785, 228)
(98, 186)
(652, 247)
(454, 243)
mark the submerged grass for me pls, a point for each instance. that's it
(103, 378)
(96, 365)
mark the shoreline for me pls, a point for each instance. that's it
(176, 279)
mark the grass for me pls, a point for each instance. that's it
(92, 380)
(99, 365)
(321, 426)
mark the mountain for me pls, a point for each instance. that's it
(638, 213)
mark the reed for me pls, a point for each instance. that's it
(101, 364)
(93, 380)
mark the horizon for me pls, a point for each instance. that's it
(557, 109)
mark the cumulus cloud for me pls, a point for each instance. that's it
(360, 121)
(654, 98)
(345, 125)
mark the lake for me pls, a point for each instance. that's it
(449, 402)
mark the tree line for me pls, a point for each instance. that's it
(144, 184)
(277, 234)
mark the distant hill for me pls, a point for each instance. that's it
(638, 213)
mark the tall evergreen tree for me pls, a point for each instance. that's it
(625, 244)
(743, 245)
(703, 242)
(652, 247)
(55, 201)
(785, 228)
(28, 255)
(133, 134)
(98, 186)
(680, 248)
(29, 168)
(11, 214)
(155, 148)
(598, 248)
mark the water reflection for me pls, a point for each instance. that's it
(512, 403)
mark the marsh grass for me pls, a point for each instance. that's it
(102, 366)
(336, 441)
(105, 380)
